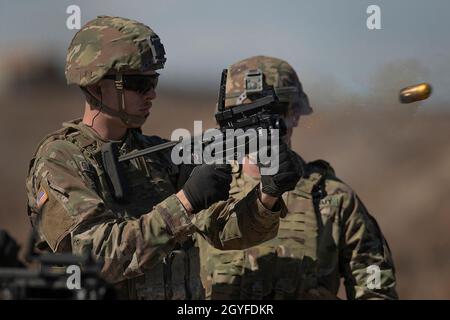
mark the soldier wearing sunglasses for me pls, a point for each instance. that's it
(135, 239)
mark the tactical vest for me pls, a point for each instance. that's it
(284, 267)
(149, 180)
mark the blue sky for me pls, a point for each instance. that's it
(320, 38)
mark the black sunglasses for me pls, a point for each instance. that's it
(141, 83)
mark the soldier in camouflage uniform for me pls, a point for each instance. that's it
(327, 233)
(135, 239)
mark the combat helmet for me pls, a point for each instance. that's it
(248, 77)
(112, 44)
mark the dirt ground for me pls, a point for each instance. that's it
(400, 168)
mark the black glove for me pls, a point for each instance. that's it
(184, 172)
(207, 185)
(289, 173)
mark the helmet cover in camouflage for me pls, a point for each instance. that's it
(276, 72)
(112, 43)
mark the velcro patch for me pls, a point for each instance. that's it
(41, 198)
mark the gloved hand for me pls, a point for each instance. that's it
(289, 173)
(207, 184)
(184, 172)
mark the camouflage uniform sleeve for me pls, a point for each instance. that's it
(363, 252)
(239, 224)
(74, 217)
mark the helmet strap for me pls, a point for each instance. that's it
(126, 118)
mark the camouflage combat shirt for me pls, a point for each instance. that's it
(327, 234)
(73, 209)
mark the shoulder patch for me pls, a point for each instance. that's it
(41, 198)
